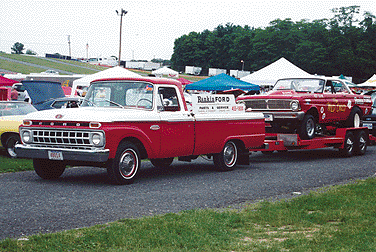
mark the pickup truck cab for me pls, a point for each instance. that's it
(125, 120)
(307, 106)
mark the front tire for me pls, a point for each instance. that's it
(125, 166)
(307, 127)
(48, 169)
(227, 159)
(10, 143)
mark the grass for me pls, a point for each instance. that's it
(14, 164)
(18, 67)
(338, 218)
(74, 66)
(21, 68)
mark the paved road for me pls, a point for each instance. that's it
(84, 196)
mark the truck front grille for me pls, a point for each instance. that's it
(268, 104)
(65, 138)
(61, 137)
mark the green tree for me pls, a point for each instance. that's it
(17, 48)
(30, 52)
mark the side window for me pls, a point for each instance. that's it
(339, 87)
(168, 99)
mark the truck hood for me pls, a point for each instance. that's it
(93, 114)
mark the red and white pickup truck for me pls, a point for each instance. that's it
(125, 120)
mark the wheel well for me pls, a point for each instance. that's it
(313, 112)
(139, 145)
(359, 109)
(5, 135)
(240, 144)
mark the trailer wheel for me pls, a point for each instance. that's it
(162, 162)
(361, 139)
(349, 144)
(48, 169)
(227, 159)
(125, 166)
(308, 127)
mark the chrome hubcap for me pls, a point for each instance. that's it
(230, 154)
(128, 163)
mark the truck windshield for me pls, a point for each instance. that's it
(120, 94)
(300, 85)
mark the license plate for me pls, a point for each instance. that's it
(368, 125)
(55, 155)
(268, 117)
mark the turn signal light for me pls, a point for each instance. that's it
(94, 125)
(27, 122)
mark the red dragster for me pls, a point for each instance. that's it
(306, 106)
(122, 121)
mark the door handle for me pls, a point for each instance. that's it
(155, 127)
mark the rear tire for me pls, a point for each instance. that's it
(48, 169)
(124, 168)
(307, 127)
(227, 159)
(162, 162)
(355, 119)
(349, 144)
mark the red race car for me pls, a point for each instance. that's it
(308, 106)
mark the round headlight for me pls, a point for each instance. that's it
(26, 136)
(294, 105)
(96, 138)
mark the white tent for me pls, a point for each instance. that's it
(113, 72)
(165, 71)
(269, 75)
(371, 82)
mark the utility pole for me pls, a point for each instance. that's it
(70, 53)
(87, 51)
(121, 14)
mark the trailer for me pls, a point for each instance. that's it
(349, 142)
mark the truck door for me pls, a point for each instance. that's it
(177, 125)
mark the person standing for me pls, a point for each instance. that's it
(14, 94)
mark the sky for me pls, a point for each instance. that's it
(149, 28)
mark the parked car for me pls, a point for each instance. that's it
(369, 120)
(307, 106)
(11, 115)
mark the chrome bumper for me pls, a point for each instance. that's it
(99, 155)
(286, 115)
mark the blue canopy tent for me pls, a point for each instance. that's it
(222, 82)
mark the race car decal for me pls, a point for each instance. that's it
(349, 104)
(336, 107)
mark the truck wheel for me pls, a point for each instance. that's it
(162, 162)
(348, 148)
(361, 139)
(124, 167)
(48, 169)
(10, 143)
(226, 160)
(307, 128)
(355, 119)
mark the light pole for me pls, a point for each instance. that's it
(121, 14)
(242, 61)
